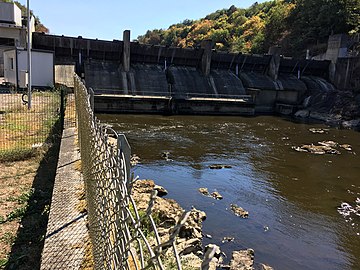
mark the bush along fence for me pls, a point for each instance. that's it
(122, 236)
(23, 130)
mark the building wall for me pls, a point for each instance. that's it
(10, 66)
(42, 67)
(10, 13)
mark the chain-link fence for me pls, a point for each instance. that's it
(117, 233)
(23, 130)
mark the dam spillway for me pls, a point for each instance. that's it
(137, 78)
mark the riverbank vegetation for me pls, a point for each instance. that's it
(296, 25)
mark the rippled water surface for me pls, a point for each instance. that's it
(292, 197)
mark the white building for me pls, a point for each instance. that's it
(12, 31)
(42, 68)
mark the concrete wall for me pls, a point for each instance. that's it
(226, 83)
(167, 105)
(185, 74)
(188, 81)
(64, 74)
(347, 73)
(69, 47)
(149, 80)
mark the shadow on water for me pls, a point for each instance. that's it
(27, 248)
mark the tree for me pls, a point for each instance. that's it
(276, 28)
(296, 25)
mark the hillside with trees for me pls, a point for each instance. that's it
(295, 25)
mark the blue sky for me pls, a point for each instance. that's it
(108, 19)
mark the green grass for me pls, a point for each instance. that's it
(8, 238)
(20, 128)
(17, 154)
(23, 198)
(17, 213)
(4, 262)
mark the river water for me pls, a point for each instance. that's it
(292, 197)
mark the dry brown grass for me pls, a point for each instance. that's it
(88, 261)
(15, 185)
(26, 176)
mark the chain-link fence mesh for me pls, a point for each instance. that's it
(23, 130)
(117, 233)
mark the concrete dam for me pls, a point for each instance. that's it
(128, 77)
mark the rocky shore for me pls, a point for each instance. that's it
(168, 212)
(335, 108)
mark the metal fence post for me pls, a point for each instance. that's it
(91, 98)
(62, 106)
(125, 148)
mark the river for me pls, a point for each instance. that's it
(292, 197)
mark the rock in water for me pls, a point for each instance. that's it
(351, 124)
(346, 147)
(216, 195)
(227, 239)
(193, 226)
(161, 191)
(328, 143)
(239, 211)
(166, 156)
(265, 267)
(242, 260)
(219, 166)
(134, 160)
(204, 191)
(318, 130)
(302, 114)
(317, 149)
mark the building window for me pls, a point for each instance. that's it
(11, 63)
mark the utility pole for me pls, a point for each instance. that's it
(29, 53)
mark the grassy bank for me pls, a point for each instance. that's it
(29, 147)
(23, 131)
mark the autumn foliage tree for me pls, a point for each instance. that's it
(296, 25)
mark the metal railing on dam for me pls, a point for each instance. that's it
(117, 236)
